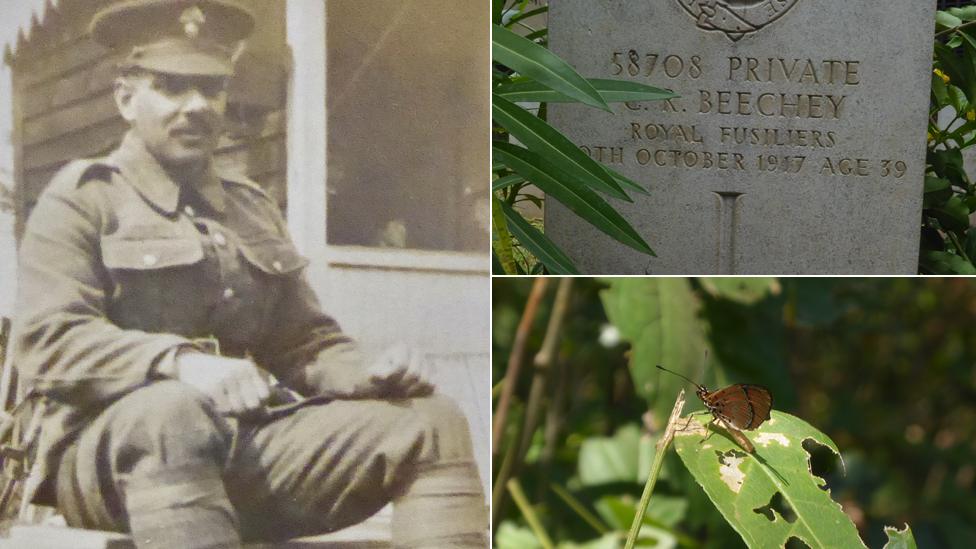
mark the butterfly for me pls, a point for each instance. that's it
(741, 406)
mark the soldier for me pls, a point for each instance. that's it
(136, 267)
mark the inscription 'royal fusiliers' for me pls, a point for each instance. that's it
(736, 18)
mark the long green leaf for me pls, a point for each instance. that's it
(505, 182)
(612, 91)
(539, 244)
(544, 140)
(574, 194)
(532, 60)
(753, 490)
(625, 182)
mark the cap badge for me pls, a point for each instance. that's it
(191, 19)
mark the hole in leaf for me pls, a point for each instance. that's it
(823, 461)
(778, 504)
(795, 543)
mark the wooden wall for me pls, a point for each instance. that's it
(63, 105)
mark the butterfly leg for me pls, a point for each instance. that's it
(710, 431)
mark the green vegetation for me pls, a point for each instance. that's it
(877, 371)
(948, 244)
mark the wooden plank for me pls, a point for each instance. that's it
(74, 118)
(75, 55)
(72, 88)
(93, 141)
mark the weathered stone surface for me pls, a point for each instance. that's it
(797, 146)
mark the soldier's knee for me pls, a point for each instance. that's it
(166, 413)
(443, 422)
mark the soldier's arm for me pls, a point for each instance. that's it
(307, 350)
(65, 345)
(303, 346)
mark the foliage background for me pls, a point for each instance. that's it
(883, 366)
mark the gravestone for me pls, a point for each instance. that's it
(797, 145)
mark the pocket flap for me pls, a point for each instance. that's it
(150, 253)
(273, 256)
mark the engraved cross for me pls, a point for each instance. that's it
(728, 219)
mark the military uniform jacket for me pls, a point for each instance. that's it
(120, 266)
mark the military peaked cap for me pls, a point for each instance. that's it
(193, 37)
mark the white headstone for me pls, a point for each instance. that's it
(797, 146)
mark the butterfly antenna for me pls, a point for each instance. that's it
(677, 374)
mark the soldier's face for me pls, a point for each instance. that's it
(179, 117)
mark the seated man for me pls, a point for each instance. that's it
(155, 293)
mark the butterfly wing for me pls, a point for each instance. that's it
(743, 406)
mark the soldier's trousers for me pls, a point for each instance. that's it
(161, 464)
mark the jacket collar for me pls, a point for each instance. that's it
(140, 168)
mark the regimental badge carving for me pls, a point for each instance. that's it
(192, 18)
(736, 18)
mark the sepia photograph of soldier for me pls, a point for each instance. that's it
(183, 379)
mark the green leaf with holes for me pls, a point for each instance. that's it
(770, 496)
(899, 539)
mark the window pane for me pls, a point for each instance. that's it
(408, 119)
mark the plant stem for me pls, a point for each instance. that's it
(662, 446)
(582, 511)
(542, 363)
(953, 29)
(523, 504)
(515, 360)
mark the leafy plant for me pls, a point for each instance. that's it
(948, 244)
(872, 362)
(527, 151)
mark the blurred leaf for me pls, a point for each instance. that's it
(659, 317)
(946, 263)
(749, 340)
(947, 20)
(624, 457)
(953, 214)
(899, 539)
(532, 60)
(744, 486)
(663, 510)
(813, 300)
(510, 536)
(745, 290)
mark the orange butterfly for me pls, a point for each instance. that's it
(741, 406)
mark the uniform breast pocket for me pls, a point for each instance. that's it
(272, 255)
(273, 263)
(157, 282)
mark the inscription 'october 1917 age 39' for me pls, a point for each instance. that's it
(796, 145)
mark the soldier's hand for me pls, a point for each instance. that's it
(234, 385)
(400, 372)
